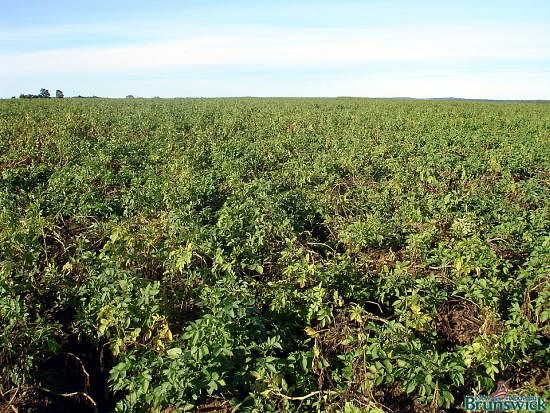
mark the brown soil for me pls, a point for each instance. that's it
(459, 321)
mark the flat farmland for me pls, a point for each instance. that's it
(262, 255)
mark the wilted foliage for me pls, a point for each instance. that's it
(272, 255)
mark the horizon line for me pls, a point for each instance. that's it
(130, 97)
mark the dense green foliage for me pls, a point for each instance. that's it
(276, 254)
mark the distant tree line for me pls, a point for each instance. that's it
(44, 94)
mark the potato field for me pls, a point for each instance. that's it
(272, 255)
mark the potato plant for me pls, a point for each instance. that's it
(262, 255)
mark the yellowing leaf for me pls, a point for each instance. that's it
(311, 332)
(415, 308)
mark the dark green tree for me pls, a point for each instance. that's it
(44, 93)
(59, 94)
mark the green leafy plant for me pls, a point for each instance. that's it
(272, 254)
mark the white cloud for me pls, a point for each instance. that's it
(414, 61)
(265, 48)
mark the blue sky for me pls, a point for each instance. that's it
(473, 49)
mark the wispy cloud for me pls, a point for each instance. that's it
(260, 48)
(467, 58)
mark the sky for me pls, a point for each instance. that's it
(372, 48)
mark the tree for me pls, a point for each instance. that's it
(129, 96)
(44, 93)
(58, 94)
